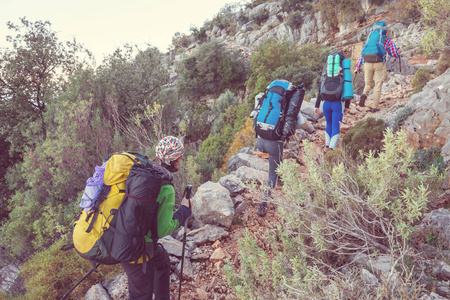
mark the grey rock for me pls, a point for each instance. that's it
(117, 287)
(208, 233)
(438, 221)
(442, 271)
(247, 174)
(174, 246)
(97, 292)
(212, 204)
(188, 271)
(233, 184)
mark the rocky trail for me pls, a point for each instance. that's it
(209, 281)
(232, 208)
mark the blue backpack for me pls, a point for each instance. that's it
(281, 101)
(373, 50)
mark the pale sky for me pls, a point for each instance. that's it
(104, 25)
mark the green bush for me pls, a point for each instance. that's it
(276, 60)
(341, 210)
(51, 273)
(261, 17)
(295, 19)
(401, 117)
(424, 159)
(291, 5)
(422, 76)
(365, 136)
(443, 63)
(437, 24)
(210, 70)
(222, 110)
(336, 11)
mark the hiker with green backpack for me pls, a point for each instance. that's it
(127, 205)
(142, 285)
(373, 56)
(336, 91)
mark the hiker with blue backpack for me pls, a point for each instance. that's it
(373, 56)
(336, 91)
(275, 120)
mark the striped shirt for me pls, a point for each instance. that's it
(390, 48)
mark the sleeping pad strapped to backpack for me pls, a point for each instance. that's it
(373, 51)
(113, 229)
(278, 109)
(332, 80)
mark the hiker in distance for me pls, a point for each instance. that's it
(156, 279)
(335, 89)
(275, 120)
(373, 56)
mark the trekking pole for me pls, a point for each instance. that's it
(400, 63)
(84, 277)
(187, 193)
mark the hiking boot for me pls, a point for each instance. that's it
(374, 110)
(280, 182)
(261, 210)
(362, 100)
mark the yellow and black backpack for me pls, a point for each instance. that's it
(113, 228)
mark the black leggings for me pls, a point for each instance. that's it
(275, 150)
(157, 278)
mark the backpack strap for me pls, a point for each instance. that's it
(102, 196)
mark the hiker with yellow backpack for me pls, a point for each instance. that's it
(126, 207)
(142, 285)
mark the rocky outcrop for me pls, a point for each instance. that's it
(429, 125)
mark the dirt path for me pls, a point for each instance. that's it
(209, 282)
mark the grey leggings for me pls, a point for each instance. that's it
(275, 150)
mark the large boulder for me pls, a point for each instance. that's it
(247, 174)
(245, 159)
(232, 184)
(212, 204)
(429, 125)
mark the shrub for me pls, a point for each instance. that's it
(295, 19)
(261, 17)
(424, 159)
(365, 136)
(341, 210)
(404, 11)
(210, 70)
(401, 117)
(225, 19)
(274, 60)
(244, 138)
(220, 108)
(435, 16)
(51, 273)
(420, 79)
(335, 11)
(443, 63)
(291, 5)
(212, 150)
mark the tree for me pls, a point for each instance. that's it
(30, 75)
(133, 78)
(210, 70)
(285, 60)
